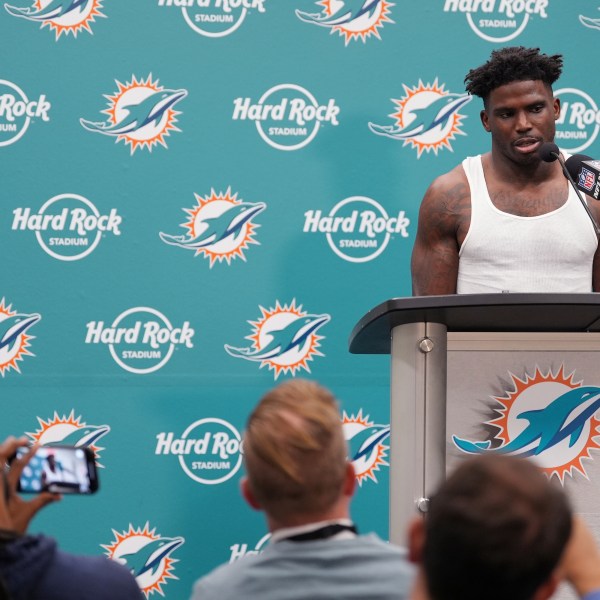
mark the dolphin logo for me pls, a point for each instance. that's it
(291, 337)
(149, 110)
(565, 417)
(218, 228)
(364, 442)
(427, 118)
(150, 556)
(589, 22)
(82, 437)
(13, 326)
(349, 11)
(53, 10)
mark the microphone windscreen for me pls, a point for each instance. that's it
(573, 163)
(549, 152)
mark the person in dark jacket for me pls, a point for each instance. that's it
(32, 567)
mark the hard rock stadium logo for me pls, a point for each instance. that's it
(141, 340)
(209, 450)
(590, 22)
(68, 226)
(366, 447)
(17, 112)
(549, 418)
(69, 430)
(287, 116)
(351, 19)
(284, 339)
(14, 339)
(140, 113)
(61, 16)
(427, 118)
(240, 550)
(358, 229)
(147, 555)
(220, 227)
(579, 123)
(215, 18)
(498, 20)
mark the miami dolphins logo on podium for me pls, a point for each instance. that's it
(590, 22)
(140, 113)
(351, 19)
(69, 430)
(14, 339)
(548, 418)
(427, 118)
(61, 16)
(366, 448)
(220, 227)
(147, 555)
(284, 339)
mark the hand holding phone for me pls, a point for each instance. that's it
(15, 511)
(59, 470)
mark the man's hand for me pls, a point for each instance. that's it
(16, 513)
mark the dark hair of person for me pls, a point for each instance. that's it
(515, 63)
(496, 529)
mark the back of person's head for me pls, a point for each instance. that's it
(496, 529)
(295, 451)
(511, 64)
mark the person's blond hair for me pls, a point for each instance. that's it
(295, 451)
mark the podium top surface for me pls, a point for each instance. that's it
(477, 312)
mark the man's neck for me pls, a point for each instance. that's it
(419, 590)
(339, 511)
(504, 169)
(326, 529)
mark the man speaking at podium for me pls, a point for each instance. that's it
(507, 221)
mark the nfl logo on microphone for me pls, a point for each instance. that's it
(587, 179)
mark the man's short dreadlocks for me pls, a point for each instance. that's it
(515, 63)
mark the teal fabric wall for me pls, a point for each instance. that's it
(139, 128)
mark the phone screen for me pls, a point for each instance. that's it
(59, 469)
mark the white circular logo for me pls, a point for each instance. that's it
(215, 454)
(287, 116)
(214, 23)
(71, 231)
(14, 119)
(161, 356)
(579, 122)
(358, 229)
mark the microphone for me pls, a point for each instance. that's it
(585, 171)
(549, 152)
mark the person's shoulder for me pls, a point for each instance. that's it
(111, 579)
(223, 580)
(447, 195)
(388, 557)
(373, 540)
(448, 181)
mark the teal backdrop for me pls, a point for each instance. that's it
(199, 200)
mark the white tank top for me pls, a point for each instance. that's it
(506, 253)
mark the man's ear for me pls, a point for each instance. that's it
(556, 105)
(547, 589)
(416, 539)
(484, 120)
(248, 494)
(349, 480)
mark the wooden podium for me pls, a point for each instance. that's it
(417, 332)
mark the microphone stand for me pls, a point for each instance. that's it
(585, 205)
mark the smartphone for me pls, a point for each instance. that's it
(59, 469)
